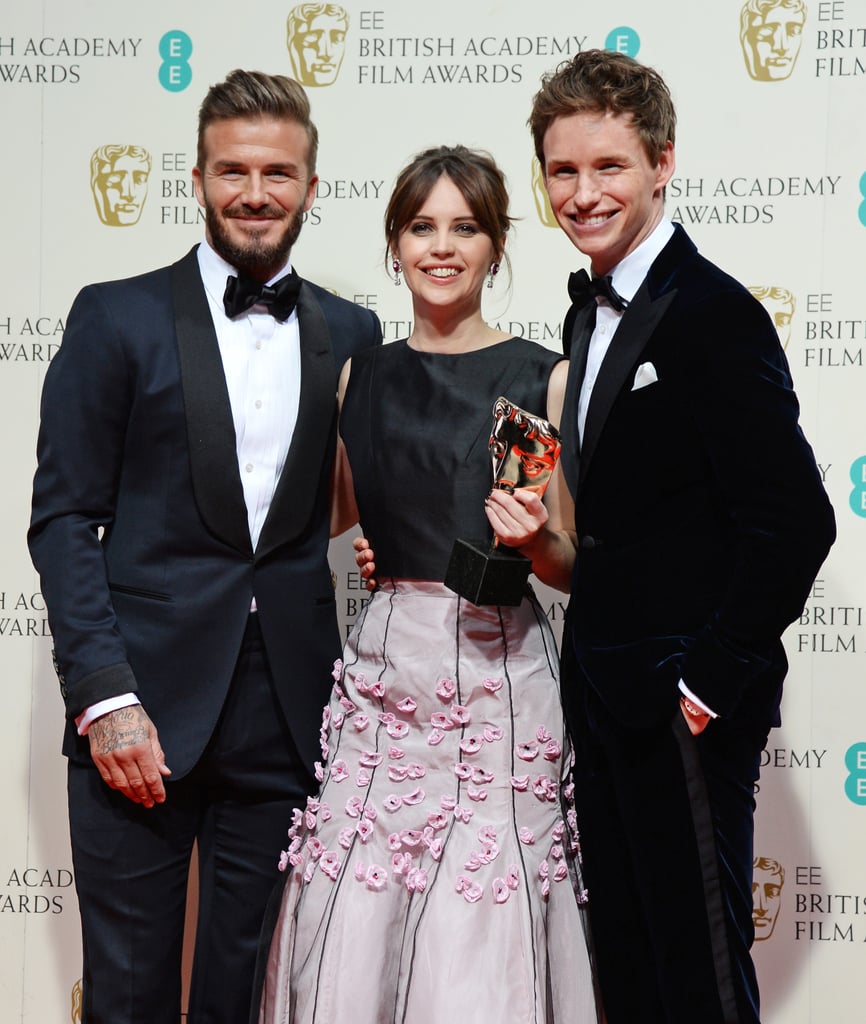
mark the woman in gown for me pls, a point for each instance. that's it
(434, 878)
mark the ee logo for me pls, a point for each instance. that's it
(855, 783)
(623, 40)
(175, 48)
(857, 498)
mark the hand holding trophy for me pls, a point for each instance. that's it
(523, 450)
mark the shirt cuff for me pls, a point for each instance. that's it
(686, 692)
(102, 707)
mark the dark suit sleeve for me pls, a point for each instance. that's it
(740, 396)
(84, 411)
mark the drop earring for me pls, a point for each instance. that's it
(494, 270)
(397, 267)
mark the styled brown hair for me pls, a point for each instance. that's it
(476, 175)
(601, 81)
(252, 95)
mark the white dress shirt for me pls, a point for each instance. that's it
(261, 360)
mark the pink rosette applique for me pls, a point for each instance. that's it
(492, 733)
(437, 820)
(339, 771)
(527, 751)
(407, 705)
(472, 744)
(520, 783)
(463, 771)
(542, 734)
(386, 717)
(338, 719)
(360, 722)
(545, 788)
(492, 685)
(330, 864)
(446, 689)
(460, 714)
(309, 870)
(401, 863)
(473, 861)
(397, 773)
(439, 720)
(392, 803)
(376, 878)
(526, 836)
(364, 830)
(370, 759)
(436, 846)
(415, 770)
(337, 670)
(395, 753)
(481, 776)
(415, 797)
(394, 841)
(411, 837)
(397, 730)
(350, 707)
(489, 854)
(315, 848)
(463, 814)
(360, 871)
(345, 836)
(512, 877)
(354, 806)
(377, 689)
(318, 771)
(476, 794)
(560, 872)
(416, 880)
(435, 737)
(448, 803)
(284, 860)
(362, 778)
(552, 750)
(486, 835)
(501, 892)
(471, 891)
(370, 812)
(361, 683)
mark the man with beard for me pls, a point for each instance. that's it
(180, 527)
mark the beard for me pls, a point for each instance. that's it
(253, 257)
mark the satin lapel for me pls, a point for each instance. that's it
(213, 456)
(637, 325)
(298, 487)
(576, 345)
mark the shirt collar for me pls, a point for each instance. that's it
(629, 273)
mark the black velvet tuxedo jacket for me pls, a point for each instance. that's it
(701, 516)
(139, 528)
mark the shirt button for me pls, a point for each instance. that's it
(259, 344)
(249, 467)
(258, 403)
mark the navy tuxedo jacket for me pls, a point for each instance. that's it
(139, 528)
(700, 512)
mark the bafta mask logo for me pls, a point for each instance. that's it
(539, 194)
(118, 180)
(771, 32)
(77, 999)
(316, 40)
(780, 304)
(767, 881)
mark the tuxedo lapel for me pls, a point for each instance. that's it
(299, 483)
(210, 430)
(577, 331)
(635, 329)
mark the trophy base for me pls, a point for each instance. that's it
(486, 575)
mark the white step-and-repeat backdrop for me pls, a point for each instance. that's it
(98, 105)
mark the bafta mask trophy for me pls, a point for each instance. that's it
(523, 450)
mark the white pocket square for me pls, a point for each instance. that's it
(646, 374)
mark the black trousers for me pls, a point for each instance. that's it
(666, 822)
(132, 865)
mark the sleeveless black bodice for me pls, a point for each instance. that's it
(416, 427)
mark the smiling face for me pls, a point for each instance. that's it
(605, 193)
(255, 186)
(444, 252)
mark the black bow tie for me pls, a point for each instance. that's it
(280, 298)
(582, 288)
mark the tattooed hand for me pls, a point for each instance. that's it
(125, 748)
